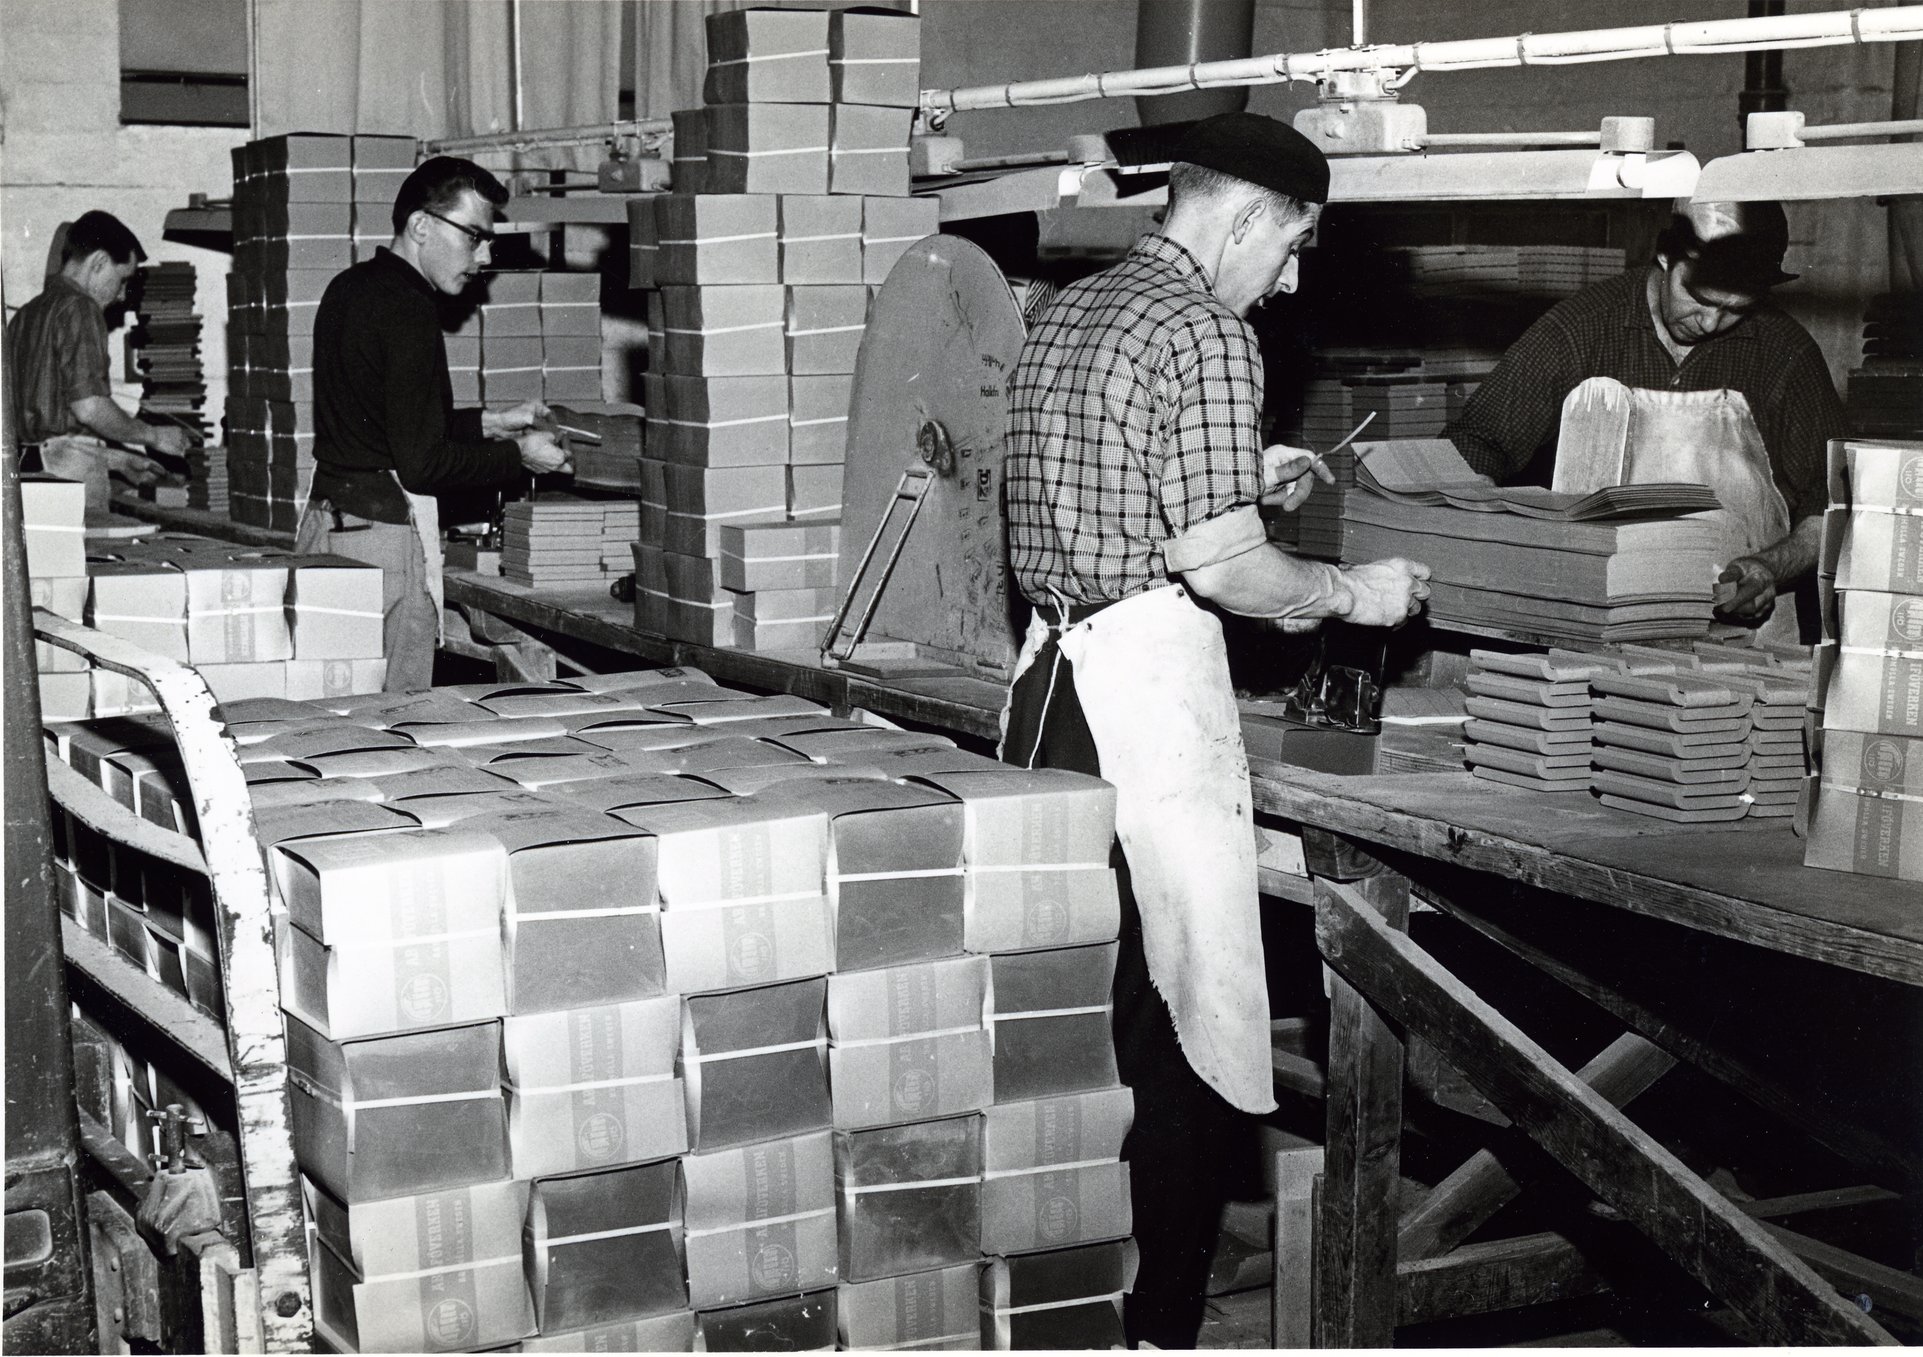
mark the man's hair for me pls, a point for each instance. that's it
(437, 185)
(1197, 184)
(97, 230)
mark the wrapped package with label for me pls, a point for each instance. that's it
(868, 150)
(54, 519)
(1062, 1299)
(754, 1064)
(742, 891)
(571, 367)
(1051, 1021)
(774, 634)
(767, 56)
(702, 501)
(582, 924)
(310, 680)
(910, 1197)
(392, 932)
(820, 238)
(824, 328)
(818, 419)
(716, 238)
(485, 729)
(336, 610)
(382, 711)
(317, 817)
(907, 1042)
(1872, 537)
(797, 1324)
(237, 610)
(672, 1332)
(571, 305)
(142, 602)
(431, 1272)
(593, 1087)
(555, 703)
(513, 305)
(393, 1116)
(927, 1311)
(723, 331)
(861, 743)
(1052, 1173)
(717, 421)
(604, 1247)
(331, 737)
(760, 1220)
(67, 597)
(1037, 854)
(779, 555)
(888, 227)
(227, 682)
(301, 167)
(767, 148)
(636, 789)
(814, 493)
(1871, 680)
(689, 168)
(1867, 814)
(874, 57)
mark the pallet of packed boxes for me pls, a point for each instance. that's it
(1866, 721)
(643, 1013)
(790, 205)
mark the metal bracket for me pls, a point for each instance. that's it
(900, 515)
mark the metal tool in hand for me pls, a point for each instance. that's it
(1318, 458)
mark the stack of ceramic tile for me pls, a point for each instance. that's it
(1564, 270)
(620, 528)
(1530, 718)
(1675, 746)
(614, 461)
(1779, 703)
(1886, 393)
(164, 348)
(1459, 270)
(563, 541)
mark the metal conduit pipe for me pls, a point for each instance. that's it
(641, 129)
(1838, 28)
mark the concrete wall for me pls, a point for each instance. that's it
(63, 150)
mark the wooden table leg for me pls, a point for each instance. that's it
(1356, 1246)
(1297, 1175)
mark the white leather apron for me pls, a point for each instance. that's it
(1153, 678)
(424, 512)
(1613, 434)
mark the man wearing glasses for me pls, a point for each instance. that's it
(1681, 371)
(387, 437)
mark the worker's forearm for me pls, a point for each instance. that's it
(104, 419)
(1267, 582)
(1790, 558)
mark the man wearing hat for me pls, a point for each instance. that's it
(1134, 463)
(1681, 371)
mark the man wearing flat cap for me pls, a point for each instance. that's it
(1134, 463)
(1682, 371)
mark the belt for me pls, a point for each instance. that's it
(1060, 616)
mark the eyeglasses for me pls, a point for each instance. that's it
(479, 240)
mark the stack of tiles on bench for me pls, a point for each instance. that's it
(164, 348)
(564, 541)
(1865, 809)
(1779, 702)
(1675, 746)
(1530, 718)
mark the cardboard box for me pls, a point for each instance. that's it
(760, 1220)
(1052, 1173)
(392, 932)
(779, 556)
(888, 227)
(767, 56)
(824, 329)
(907, 1042)
(1063, 1298)
(458, 808)
(813, 608)
(796, 1324)
(767, 148)
(604, 1247)
(228, 682)
(1051, 1021)
(63, 595)
(716, 238)
(593, 1087)
(335, 608)
(644, 241)
(742, 891)
(583, 927)
(672, 1332)
(394, 1116)
(317, 816)
(927, 1311)
(705, 624)
(723, 331)
(1881, 550)
(1038, 854)
(433, 1272)
(717, 421)
(377, 762)
(236, 610)
(636, 789)
(910, 1197)
(310, 680)
(140, 602)
(875, 58)
(1872, 679)
(689, 167)
(724, 709)
(1867, 814)
(818, 419)
(820, 238)
(868, 150)
(703, 500)
(754, 1064)
(814, 493)
(53, 518)
(769, 636)
(571, 304)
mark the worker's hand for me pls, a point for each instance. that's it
(516, 419)
(1753, 596)
(170, 440)
(1286, 475)
(1387, 593)
(134, 468)
(541, 452)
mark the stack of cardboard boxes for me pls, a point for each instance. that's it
(1866, 729)
(306, 206)
(790, 206)
(648, 1013)
(527, 336)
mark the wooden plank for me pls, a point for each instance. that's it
(1504, 1274)
(1746, 883)
(1465, 1200)
(1292, 1299)
(1355, 1256)
(1888, 1289)
(1712, 1240)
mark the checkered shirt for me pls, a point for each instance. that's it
(1132, 417)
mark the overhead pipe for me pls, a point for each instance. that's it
(648, 131)
(1190, 32)
(1839, 28)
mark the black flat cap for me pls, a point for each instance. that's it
(1261, 151)
(1738, 247)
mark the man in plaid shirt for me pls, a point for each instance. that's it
(1134, 463)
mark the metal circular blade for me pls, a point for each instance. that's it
(943, 332)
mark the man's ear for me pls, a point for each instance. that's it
(416, 228)
(1245, 218)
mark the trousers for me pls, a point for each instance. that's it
(410, 624)
(1180, 1144)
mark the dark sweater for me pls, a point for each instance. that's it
(382, 400)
